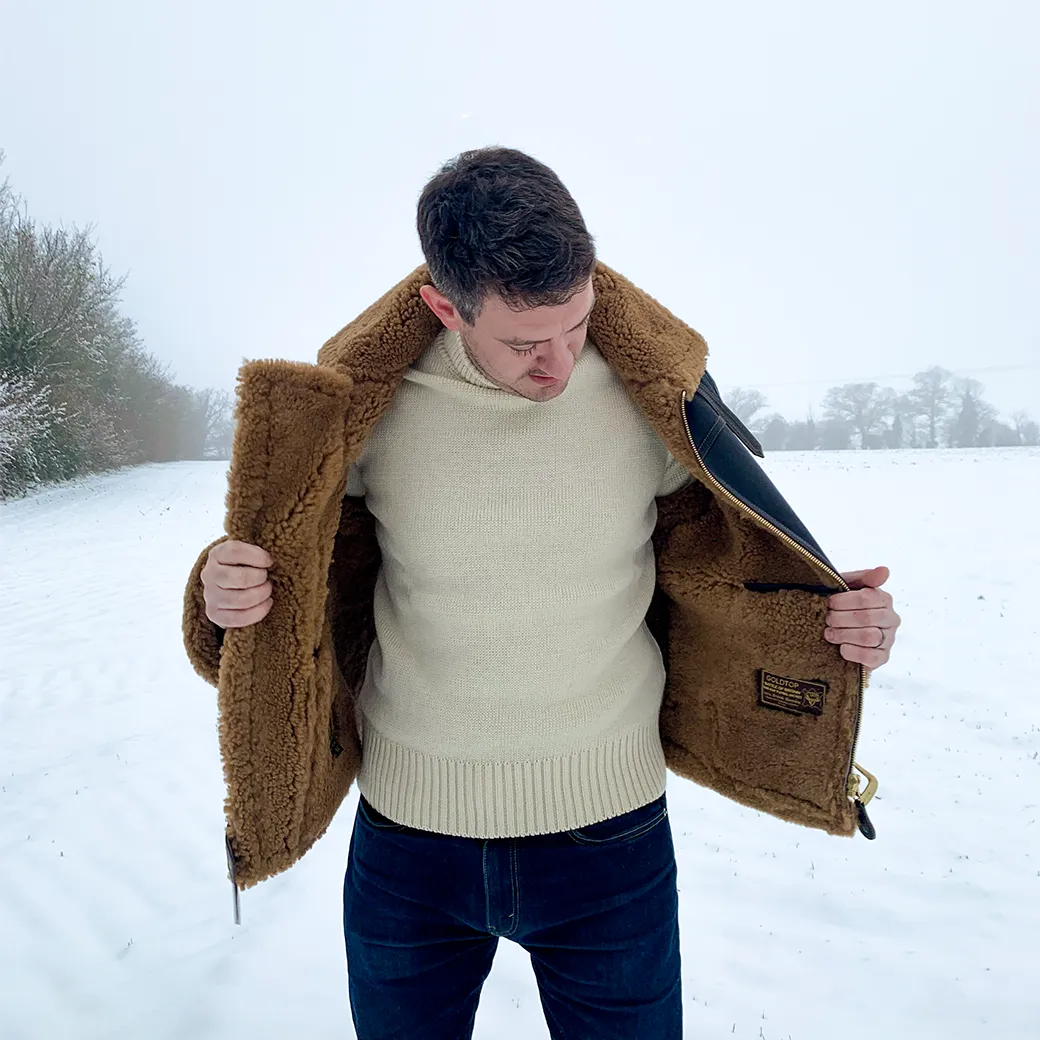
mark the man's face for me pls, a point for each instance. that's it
(513, 347)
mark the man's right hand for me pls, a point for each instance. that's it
(235, 585)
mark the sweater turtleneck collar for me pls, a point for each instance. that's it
(454, 351)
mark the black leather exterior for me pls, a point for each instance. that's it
(725, 445)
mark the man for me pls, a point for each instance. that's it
(515, 589)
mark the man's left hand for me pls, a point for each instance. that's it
(862, 621)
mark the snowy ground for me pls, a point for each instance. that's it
(115, 912)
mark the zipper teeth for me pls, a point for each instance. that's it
(788, 540)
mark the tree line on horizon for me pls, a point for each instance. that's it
(79, 393)
(940, 410)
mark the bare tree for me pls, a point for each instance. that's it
(745, 403)
(220, 425)
(1026, 429)
(863, 406)
(53, 296)
(205, 424)
(932, 398)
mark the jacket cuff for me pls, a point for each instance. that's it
(202, 638)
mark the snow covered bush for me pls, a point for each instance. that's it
(26, 418)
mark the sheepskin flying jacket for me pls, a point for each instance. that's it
(757, 704)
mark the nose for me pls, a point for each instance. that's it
(555, 360)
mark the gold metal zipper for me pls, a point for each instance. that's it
(852, 780)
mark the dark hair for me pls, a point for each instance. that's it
(496, 221)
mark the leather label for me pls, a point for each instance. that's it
(798, 696)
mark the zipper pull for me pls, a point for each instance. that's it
(234, 879)
(866, 828)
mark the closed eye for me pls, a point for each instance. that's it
(531, 349)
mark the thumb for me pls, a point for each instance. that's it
(871, 578)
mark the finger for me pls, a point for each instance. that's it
(238, 553)
(240, 618)
(868, 637)
(872, 577)
(238, 599)
(879, 617)
(860, 599)
(236, 577)
(863, 655)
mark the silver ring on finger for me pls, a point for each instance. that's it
(881, 641)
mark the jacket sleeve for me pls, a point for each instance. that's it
(202, 638)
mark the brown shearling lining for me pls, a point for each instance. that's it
(288, 736)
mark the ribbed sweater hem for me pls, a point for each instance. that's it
(504, 799)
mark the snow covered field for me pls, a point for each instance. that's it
(115, 911)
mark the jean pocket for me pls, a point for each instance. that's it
(373, 818)
(619, 830)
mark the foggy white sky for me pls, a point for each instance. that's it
(825, 191)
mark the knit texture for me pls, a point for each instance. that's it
(513, 687)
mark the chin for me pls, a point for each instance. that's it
(546, 393)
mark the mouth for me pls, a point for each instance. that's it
(545, 380)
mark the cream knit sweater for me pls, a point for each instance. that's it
(513, 687)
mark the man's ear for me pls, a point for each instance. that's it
(441, 306)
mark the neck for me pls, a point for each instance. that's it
(480, 368)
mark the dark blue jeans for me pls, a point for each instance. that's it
(596, 908)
